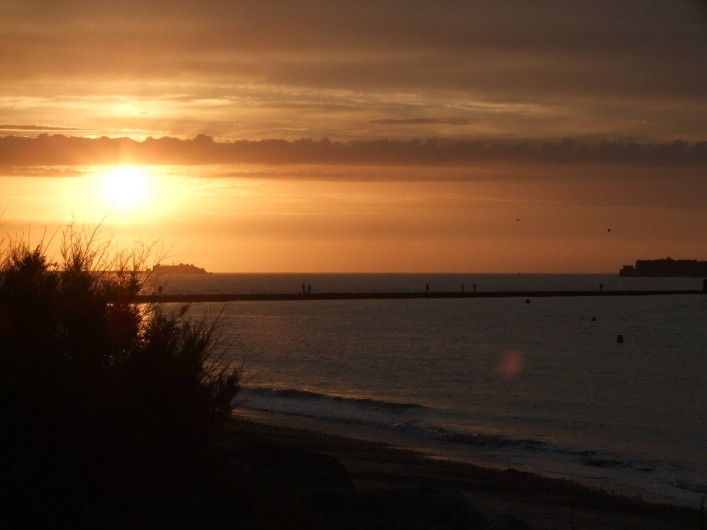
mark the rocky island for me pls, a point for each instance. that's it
(180, 268)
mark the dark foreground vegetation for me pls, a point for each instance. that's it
(111, 410)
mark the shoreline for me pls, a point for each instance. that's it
(543, 502)
(442, 450)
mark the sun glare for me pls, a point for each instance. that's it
(126, 188)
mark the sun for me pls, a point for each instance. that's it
(126, 188)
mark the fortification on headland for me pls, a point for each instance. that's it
(690, 268)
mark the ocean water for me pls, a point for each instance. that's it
(542, 385)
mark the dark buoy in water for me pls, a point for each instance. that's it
(594, 319)
(527, 300)
(619, 339)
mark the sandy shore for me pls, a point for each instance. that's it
(541, 502)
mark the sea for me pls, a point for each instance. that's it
(610, 391)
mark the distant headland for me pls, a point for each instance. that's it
(180, 268)
(667, 267)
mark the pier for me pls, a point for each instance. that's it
(274, 297)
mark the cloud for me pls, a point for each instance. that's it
(420, 121)
(59, 149)
(632, 68)
(42, 128)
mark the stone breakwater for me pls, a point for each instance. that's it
(271, 297)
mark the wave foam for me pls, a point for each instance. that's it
(436, 425)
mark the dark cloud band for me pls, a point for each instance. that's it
(67, 150)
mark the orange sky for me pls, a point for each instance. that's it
(554, 128)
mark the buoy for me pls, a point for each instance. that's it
(527, 300)
(619, 339)
(594, 319)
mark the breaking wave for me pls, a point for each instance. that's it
(308, 395)
(429, 424)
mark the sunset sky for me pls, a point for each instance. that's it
(398, 136)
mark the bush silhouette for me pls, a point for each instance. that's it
(104, 401)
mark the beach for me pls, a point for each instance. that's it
(542, 503)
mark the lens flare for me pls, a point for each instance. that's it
(511, 364)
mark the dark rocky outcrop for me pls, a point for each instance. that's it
(295, 488)
(399, 508)
(507, 522)
(287, 468)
